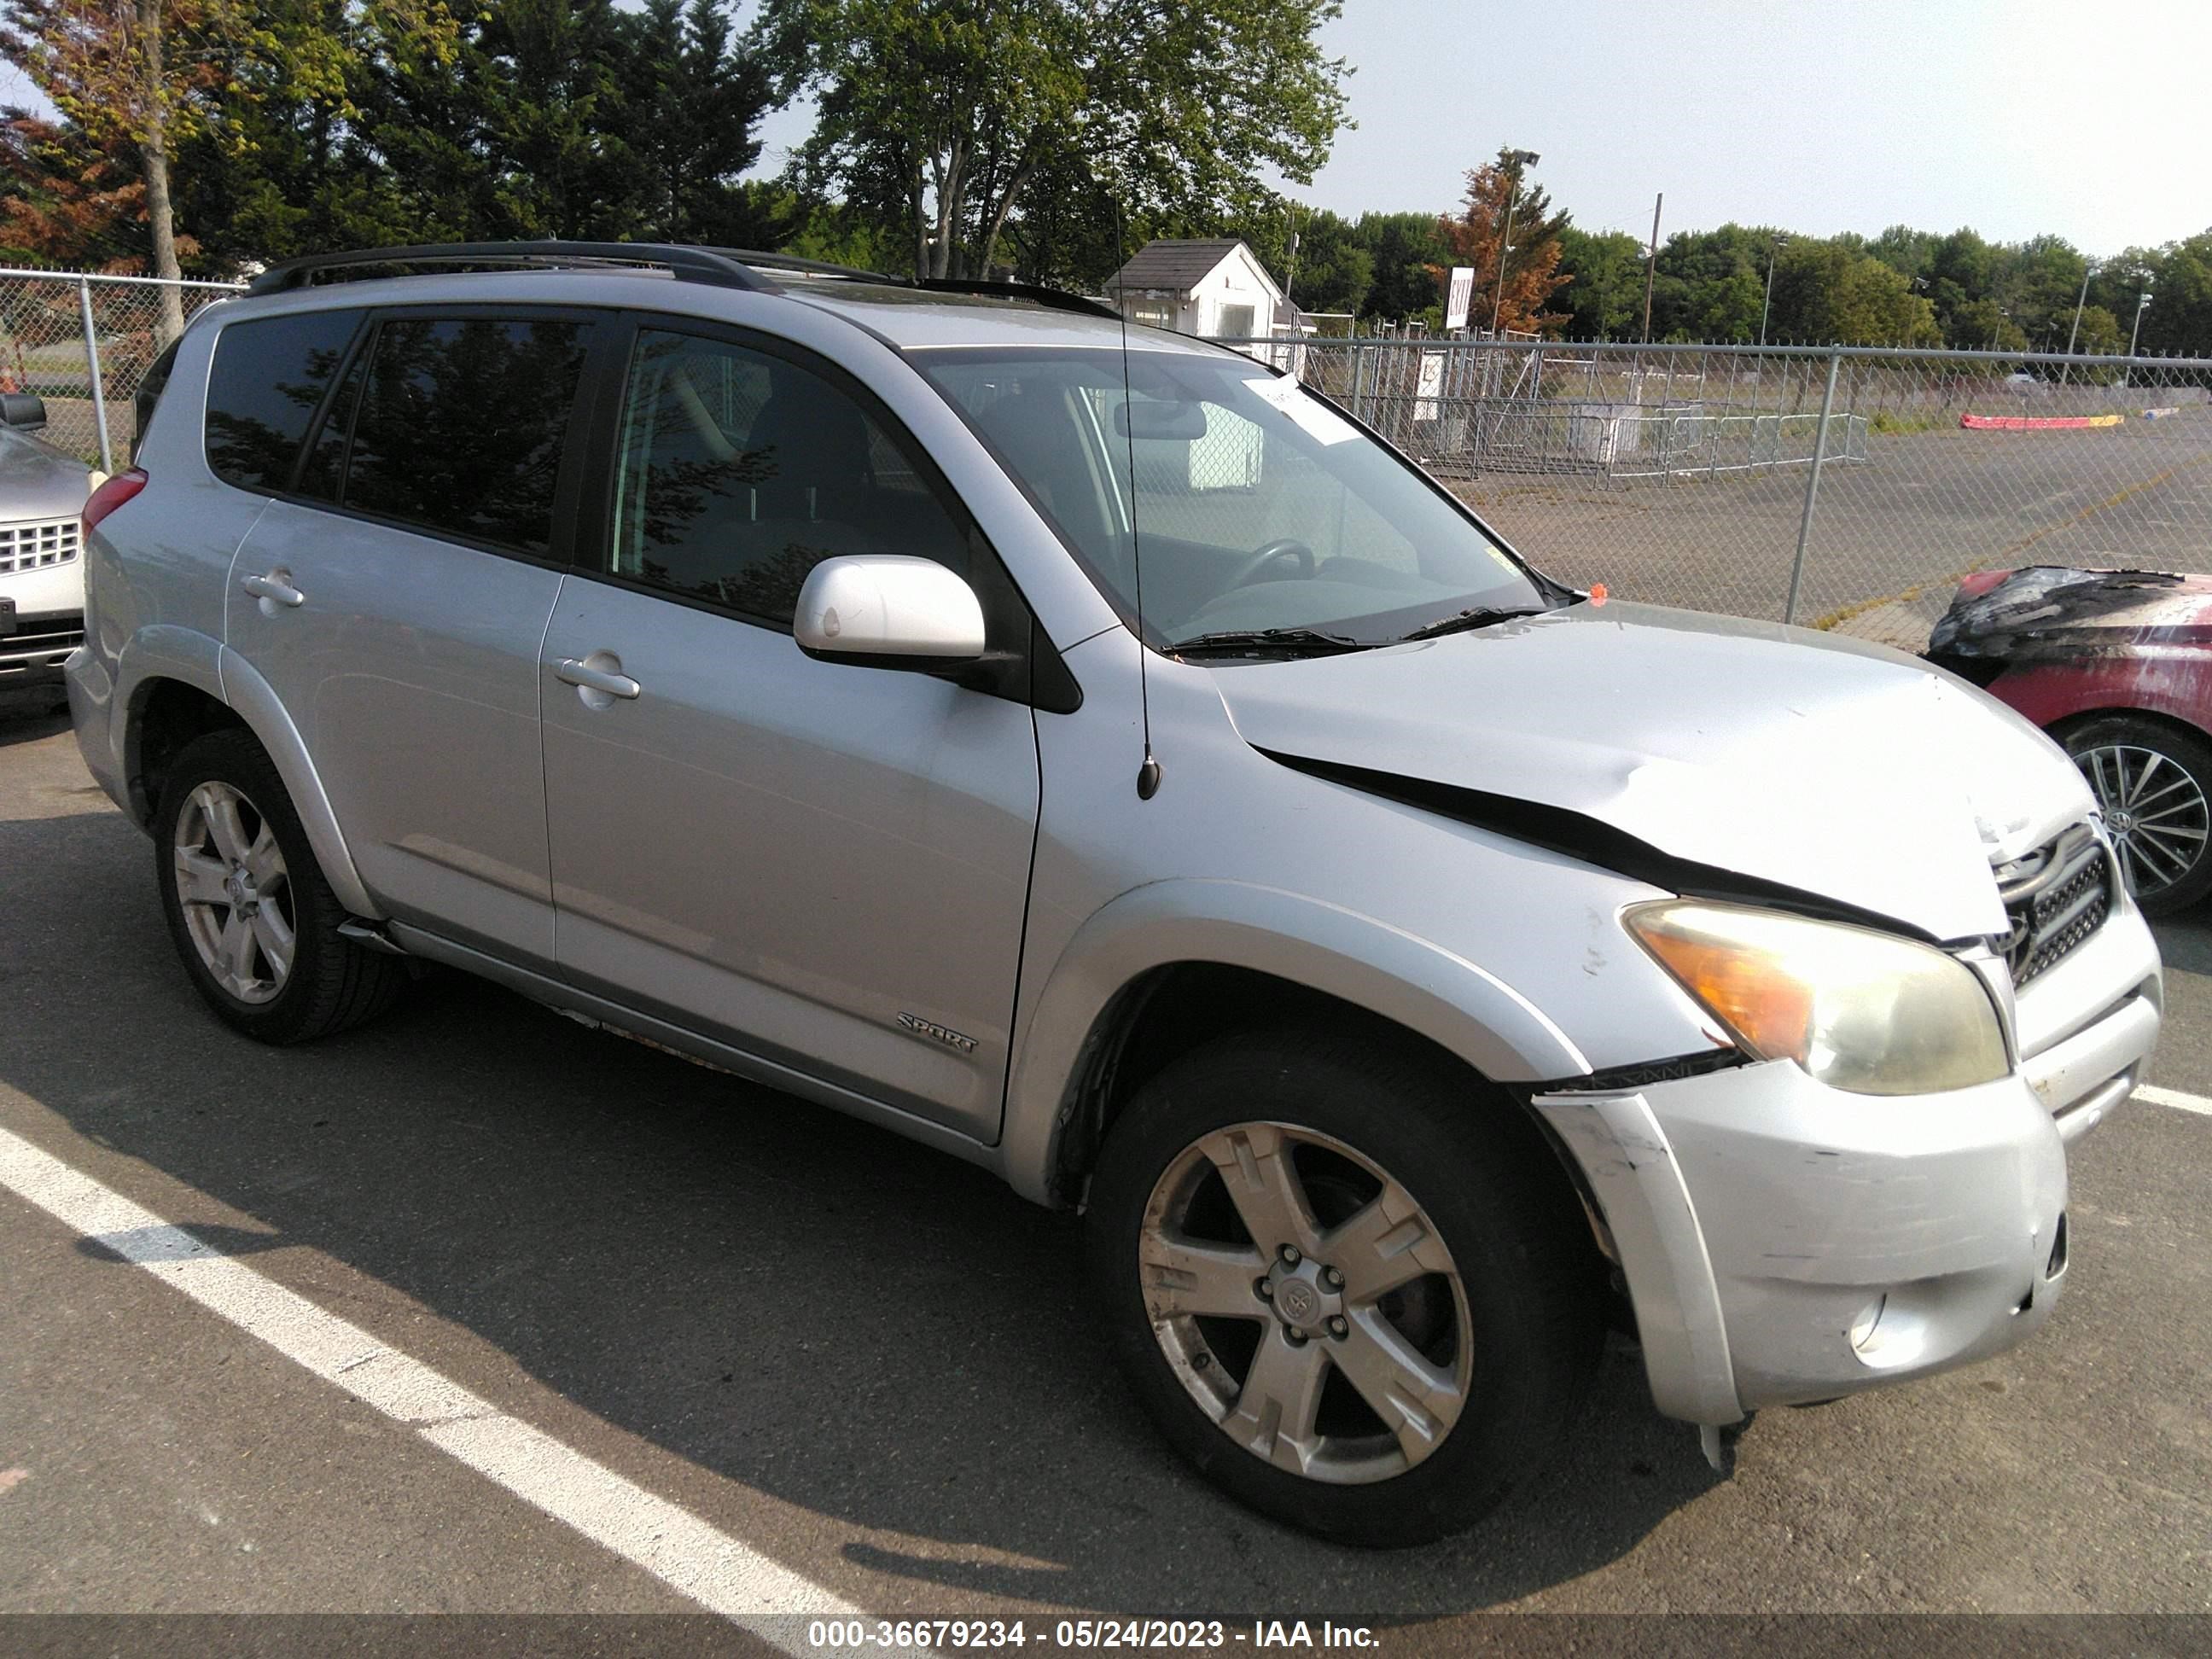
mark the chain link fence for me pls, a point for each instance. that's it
(1842, 487)
(82, 342)
(1846, 488)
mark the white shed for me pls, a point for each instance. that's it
(1216, 287)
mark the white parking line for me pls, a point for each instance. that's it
(2176, 1099)
(672, 1544)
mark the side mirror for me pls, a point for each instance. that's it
(888, 611)
(22, 411)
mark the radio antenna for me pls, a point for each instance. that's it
(1148, 774)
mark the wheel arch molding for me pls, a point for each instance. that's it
(1132, 951)
(154, 674)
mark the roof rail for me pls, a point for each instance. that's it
(1057, 298)
(746, 256)
(690, 264)
(726, 267)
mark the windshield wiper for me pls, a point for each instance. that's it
(1245, 641)
(1461, 620)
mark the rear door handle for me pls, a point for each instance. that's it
(275, 587)
(573, 672)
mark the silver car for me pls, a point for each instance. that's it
(1088, 753)
(42, 491)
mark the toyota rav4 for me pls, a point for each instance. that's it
(1083, 749)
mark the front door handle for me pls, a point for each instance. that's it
(588, 677)
(276, 587)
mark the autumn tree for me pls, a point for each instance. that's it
(62, 196)
(135, 72)
(1511, 294)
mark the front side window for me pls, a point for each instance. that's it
(1253, 505)
(461, 424)
(740, 471)
(269, 376)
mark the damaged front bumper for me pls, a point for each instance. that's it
(1784, 1242)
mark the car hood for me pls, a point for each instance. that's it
(38, 481)
(1824, 765)
(2054, 613)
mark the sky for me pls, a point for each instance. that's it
(2015, 116)
(2091, 122)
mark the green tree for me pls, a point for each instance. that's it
(692, 97)
(1408, 255)
(1711, 284)
(1905, 250)
(2180, 318)
(1334, 269)
(1829, 292)
(2100, 334)
(1605, 298)
(941, 113)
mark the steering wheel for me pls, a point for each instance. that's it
(1283, 547)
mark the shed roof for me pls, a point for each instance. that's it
(1178, 265)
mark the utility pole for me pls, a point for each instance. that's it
(1651, 265)
(1516, 159)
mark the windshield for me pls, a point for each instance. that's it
(1260, 510)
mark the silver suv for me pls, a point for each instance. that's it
(1092, 754)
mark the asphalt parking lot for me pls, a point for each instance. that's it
(866, 1367)
(1892, 532)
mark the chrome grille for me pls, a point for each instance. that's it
(2055, 898)
(36, 546)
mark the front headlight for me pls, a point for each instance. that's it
(1860, 1010)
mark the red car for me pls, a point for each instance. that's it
(2116, 664)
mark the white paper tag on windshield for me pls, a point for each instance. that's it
(1316, 419)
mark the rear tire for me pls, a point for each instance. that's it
(248, 907)
(2153, 783)
(1381, 1420)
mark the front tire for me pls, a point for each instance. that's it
(1349, 1288)
(2154, 784)
(248, 907)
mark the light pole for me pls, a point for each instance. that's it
(2142, 304)
(1515, 158)
(2075, 332)
(1764, 310)
(1996, 329)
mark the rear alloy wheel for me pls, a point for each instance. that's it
(2153, 785)
(254, 918)
(1346, 1284)
(234, 891)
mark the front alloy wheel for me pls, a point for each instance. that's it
(1347, 1280)
(1306, 1301)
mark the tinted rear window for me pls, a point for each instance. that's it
(461, 425)
(269, 376)
(149, 395)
